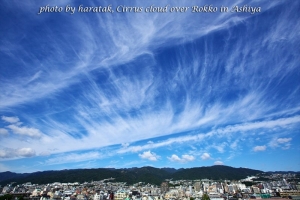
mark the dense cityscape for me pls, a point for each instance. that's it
(283, 185)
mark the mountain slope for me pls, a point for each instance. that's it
(131, 175)
(9, 175)
(216, 172)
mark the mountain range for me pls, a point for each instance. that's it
(130, 175)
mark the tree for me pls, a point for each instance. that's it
(205, 197)
(6, 197)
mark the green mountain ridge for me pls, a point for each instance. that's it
(130, 175)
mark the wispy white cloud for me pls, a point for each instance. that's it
(174, 157)
(284, 143)
(16, 128)
(149, 156)
(11, 120)
(25, 131)
(260, 148)
(163, 143)
(25, 152)
(219, 147)
(133, 163)
(17, 153)
(3, 132)
(117, 49)
(58, 137)
(234, 144)
(283, 140)
(92, 53)
(184, 158)
(268, 124)
(45, 153)
(73, 158)
(221, 132)
(125, 145)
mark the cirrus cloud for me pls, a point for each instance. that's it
(73, 158)
(284, 143)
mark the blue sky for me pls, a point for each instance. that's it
(98, 90)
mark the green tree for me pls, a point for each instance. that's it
(205, 197)
(6, 197)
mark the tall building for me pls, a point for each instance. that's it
(255, 189)
(231, 189)
(197, 186)
(164, 187)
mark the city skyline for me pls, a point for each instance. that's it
(121, 90)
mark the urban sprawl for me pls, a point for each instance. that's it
(277, 187)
